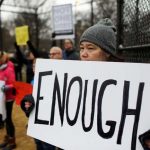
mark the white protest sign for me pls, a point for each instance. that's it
(2, 101)
(90, 105)
(63, 21)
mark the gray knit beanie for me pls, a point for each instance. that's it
(102, 34)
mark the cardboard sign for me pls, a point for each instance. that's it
(22, 89)
(2, 101)
(63, 27)
(90, 105)
(22, 35)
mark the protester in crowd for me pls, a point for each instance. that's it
(69, 52)
(27, 104)
(98, 42)
(28, 59)
(55, 53)
(7, 74)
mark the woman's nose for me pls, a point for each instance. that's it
(84, 53)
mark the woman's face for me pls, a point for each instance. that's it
(68, 45)
(31, 56)
(91, 52)
(3, 59)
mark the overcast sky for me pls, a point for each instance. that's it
(77, 4)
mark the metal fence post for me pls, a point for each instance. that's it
(1, 35)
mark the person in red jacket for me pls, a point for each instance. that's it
(7, 74)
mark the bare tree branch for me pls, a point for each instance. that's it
(42, 3)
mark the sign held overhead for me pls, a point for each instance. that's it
(62, 21)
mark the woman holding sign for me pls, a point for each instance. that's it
(98, 42)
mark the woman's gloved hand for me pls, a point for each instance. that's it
(27, 104)
(145, 140)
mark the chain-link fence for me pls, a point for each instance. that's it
(134, 23)
(134, 28)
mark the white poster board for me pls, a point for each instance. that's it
(2, 102)
(90, 105)
(62, 21)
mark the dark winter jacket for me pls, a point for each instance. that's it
(71, 55)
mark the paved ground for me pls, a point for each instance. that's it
(23, 141)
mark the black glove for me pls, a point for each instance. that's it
(143, 137)
(28, 98)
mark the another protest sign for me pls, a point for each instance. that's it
(62, 21)
(2, 101)
(90, 105)
(22, 35)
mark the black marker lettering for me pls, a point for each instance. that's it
(86, 129)
(79, 80)
(112, 124)
(38, 121)
(126, 111)
(61, 106)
